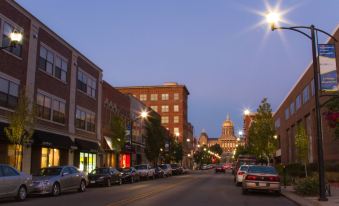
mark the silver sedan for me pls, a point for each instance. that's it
(54, 180)
(14, 183)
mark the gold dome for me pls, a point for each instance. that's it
(227, 122)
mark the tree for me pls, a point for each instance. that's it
(261, 133)
(118, 129)
(216, 149)
(21, 126)
(154, 139)
(177, 151)
(241, 150)
(301, 144)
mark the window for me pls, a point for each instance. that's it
(164, 108)
(298, 102)
(53, 64)
(154, 97)
(87, 162)
(176, 96)
(143, 97)
(312, 87)
(277, 123)
(155, 108)
(164, 120)
(6, 41)
(176, 108)
(176, 131)
(292, 108)
(9, 92)
(306, 94)
(51, 108)
(287, 113)
(164, 97)
(86, 83)
(14, 155)
(85, 120)
(176, 119)
(50, 157)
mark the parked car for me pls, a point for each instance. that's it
(264, 178)
(240, 174)
(177, 169)
(204, 167)
(145, 171)
(130, 175)
(219, 168)
(55, 180)
(167, 169)
(105, 176)
(228, 166)
(159, 173)
(13, 183)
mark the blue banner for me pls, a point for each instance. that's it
(328, 68)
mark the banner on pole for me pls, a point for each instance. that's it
(328, 68)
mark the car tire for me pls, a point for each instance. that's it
(244, 191)
(108, 183)
(82, 186)
(55, 189)
(22, 193)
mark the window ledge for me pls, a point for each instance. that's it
(13, 55)
(50, 75)
(86, 94)
(83, 130)
(51, 121)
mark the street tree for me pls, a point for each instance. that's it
(241, 150)
(177, 151)
(261, 133)
(118, 129)
(154, 139)
(301, 144)
(216, 149)
(21, 126)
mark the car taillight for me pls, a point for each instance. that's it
(241, 173)
(251, 177)
(274, 178)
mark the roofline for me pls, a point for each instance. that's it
(155, 86)
(58, 37)
(303, 74)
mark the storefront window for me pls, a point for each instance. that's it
(87, 161)
(125, 160)
(15, 156)
(110, 160)
(50, 157)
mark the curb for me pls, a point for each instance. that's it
(299, 200)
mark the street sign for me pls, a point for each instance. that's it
(328, 68)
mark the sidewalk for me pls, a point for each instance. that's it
(289, 193)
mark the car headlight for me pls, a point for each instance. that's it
(46, 182)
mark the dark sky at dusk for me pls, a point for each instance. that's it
(212, 46)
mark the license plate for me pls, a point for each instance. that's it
(263, 184)
(92, 181)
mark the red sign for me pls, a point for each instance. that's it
(125, 160)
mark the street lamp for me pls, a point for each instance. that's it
(247, 112)
(15, 39)
(273, 18)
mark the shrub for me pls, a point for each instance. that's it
(308, 186)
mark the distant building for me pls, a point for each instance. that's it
(247, 121)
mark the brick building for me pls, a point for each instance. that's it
(64, 85)
(170, 101)
(298, 108)
(247, 121)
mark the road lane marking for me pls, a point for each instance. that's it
(150, 193)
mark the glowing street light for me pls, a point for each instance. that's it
(205, 149)
(144, 114)
(273, 18)
(247, 112)
(275, 136)
(15, 39)
(188, 140)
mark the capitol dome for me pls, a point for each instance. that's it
(227, 122)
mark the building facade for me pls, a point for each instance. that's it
(247, 121)
(64, 86)
(298, 109)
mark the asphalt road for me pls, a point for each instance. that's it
(200, 188)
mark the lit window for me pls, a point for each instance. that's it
(176, 96)
(53, 64)
(176, 131)
(176, 108)
(176, 119)
(306, 95)
(86, 83)
(155, 108)
(164, 119)
(9, 92)
(164, 108)
(154, 97)
(164, 97)
(143, 97)
(6, 40)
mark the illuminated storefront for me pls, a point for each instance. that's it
(86, 157)
(87, 161)
(125, 160)
(50, 157)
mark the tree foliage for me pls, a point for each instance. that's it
(118, 129)
(201, 156)
(301, 144)
(216, 149)
(241, 150)
(21, 125)
(176, 151)
(154, 139)
(261, 133)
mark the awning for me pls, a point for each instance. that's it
(109, 142)
(89, 146)
(52, 140)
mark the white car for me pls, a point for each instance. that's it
(240, 174)
(167, 169)
(145, 171)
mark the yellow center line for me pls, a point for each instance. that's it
(148, 194)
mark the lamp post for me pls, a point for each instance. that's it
(15, 39)
(273, 18)
(143, 115)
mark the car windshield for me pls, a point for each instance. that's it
(141, 167)
(262, 169)
(51, 171)
(243, 168)
(163, 167)
(100, 171)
